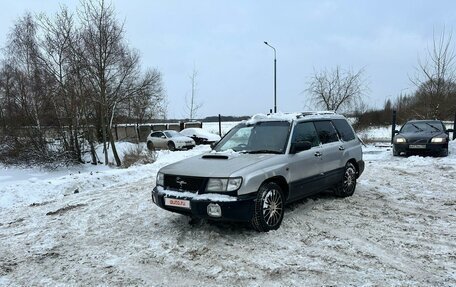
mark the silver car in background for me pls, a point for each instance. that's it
(261, 165)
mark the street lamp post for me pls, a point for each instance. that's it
(275, 77)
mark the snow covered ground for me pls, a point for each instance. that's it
(98, 226)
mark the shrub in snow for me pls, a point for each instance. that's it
(138, 155)
(36, 151)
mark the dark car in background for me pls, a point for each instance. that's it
(422, 137)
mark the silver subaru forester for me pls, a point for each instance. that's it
(262, 164)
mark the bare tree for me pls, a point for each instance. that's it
(56, 48)
(8, 104)
(435, 79)
(337, 89)
(114, 68)
(30, 92)
(147, 103)
(74, 75)
(192, 105)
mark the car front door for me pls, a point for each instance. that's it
(159, 139)
(305, 173)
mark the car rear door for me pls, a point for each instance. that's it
(349, 146)
(331, 148)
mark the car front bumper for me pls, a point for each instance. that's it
(239, 208)
(428, 148)
(184, 146)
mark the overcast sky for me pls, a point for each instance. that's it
(223, 40)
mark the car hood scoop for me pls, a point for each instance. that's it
(215, 156)
(215, 165)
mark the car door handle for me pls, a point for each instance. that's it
(317, 154)
(341, 148)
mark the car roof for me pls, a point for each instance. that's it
(320, 116)
(162, 131)
(292, 117)
(424, 121)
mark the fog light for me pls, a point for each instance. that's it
(214, 210)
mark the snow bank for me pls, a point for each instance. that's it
(121, 147)
(398, 229)
(28, 186)
(377, 134)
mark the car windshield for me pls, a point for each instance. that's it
(432, 126)
(172, 134)
(261, 137)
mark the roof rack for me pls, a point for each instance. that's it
(315, 113)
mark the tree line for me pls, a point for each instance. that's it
(434, 96)
(76, 73)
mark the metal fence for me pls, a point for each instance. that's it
(131, 132)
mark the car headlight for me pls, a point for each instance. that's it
(400, 140)
(224, 184)
(438, 140)
(160, 179)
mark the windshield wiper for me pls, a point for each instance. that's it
(262, 151)
(436, 128)
(417, 127)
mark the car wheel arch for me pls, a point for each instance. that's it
(282, 182)
(171, 145)
(355, 164)
(150, 145)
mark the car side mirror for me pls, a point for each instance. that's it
(450, 130)
(396, 131)
(300, 146)
(163, 137)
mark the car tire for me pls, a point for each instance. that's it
(348, 184)
(171, 146)
(150, 146)
(444, 152)
(269, 207)
(395, 153)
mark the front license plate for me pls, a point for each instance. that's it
(177, 202)
(417, 146)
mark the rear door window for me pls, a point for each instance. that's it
(305, 132)
(344, 129)
(326, 132)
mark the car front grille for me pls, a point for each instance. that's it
(418, 141)
(184, 183)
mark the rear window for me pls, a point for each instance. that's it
(326, 132)
(344, 129)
